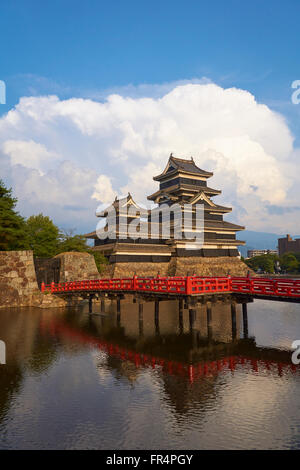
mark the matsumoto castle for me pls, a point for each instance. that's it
(182, 184)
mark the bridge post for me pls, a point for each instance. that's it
(196, 339)
(180, 302)
(233, 320)
(209, 320)
(192, 313)
(141, 318)
(91, 303)
(192, 317)
(156, 315)
(102, 305)
(188, 285)
(141, 308)
(245, 320)
(118, 310)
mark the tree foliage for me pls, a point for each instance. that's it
(12, 225)
(43, 236)
(100, 260)
(265, 263)
(70, 242)
(290, 263)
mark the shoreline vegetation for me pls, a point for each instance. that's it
(288, 264)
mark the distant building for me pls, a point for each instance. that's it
(252, 253)
(287, 244)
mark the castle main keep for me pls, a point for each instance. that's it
(137, 240)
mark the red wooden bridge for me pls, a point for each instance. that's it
(269, 288)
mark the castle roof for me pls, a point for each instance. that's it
(180, 165)
(121, 206)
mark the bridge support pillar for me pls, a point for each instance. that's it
(102, 305)
(191, 303)
(141, 318)
(192, 317)
(118, 310)
(180, 316)
(209, 320)
(196, 339)
(156, 316)
(91, 303)
(245, 320)
(141, 309)
(233, 320)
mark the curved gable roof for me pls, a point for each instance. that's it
(176, 165)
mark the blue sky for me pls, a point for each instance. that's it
(75, 49)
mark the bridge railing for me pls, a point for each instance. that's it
(266, 286)
(186, 285)
(170, 285)
(206, 285)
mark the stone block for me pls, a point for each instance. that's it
(77, 266)
(12, 274)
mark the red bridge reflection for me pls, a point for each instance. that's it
(193, 371)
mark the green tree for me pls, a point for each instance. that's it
(70, 242)
(297, 256)
(100, 260)
(264, 262)
(290, 263)
(12, 225)
(43, 236)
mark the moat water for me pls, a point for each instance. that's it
(76, 381)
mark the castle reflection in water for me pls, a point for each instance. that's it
(186, 354)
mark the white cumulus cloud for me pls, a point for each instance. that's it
(63, 157)
(103, 190)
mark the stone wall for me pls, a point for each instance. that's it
(199, 266)
(77, 266)
(219, 266)
(18, 285)
(117, 270)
